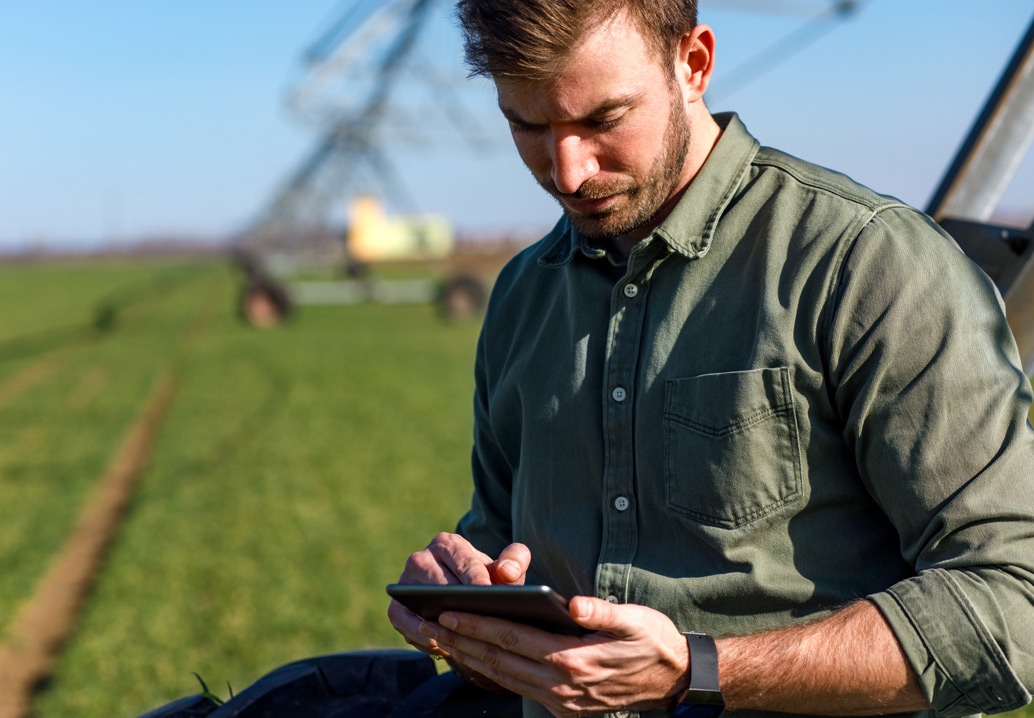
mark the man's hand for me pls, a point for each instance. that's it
(636, 659)
(451, 559)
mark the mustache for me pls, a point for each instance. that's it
(589, 190)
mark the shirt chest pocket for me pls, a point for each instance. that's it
(731, 447)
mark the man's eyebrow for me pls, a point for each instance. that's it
(511, 115)
(601, 109)
(616, 104)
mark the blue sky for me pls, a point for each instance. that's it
(123, 119)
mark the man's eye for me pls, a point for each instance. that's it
(520, 127)
(606, 124)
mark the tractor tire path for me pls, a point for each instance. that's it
(47, 619)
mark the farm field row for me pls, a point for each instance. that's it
(295, 470)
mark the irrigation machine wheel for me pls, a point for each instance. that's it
(462, 298)
(264, 303)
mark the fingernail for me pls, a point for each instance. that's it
(584, 610)
(429, 629)
(448, 620)
(510, 569)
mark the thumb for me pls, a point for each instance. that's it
(598, 615)
(512, 564)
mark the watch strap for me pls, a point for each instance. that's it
(703, 698)
(703, 662)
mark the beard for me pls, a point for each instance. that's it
(643, 197)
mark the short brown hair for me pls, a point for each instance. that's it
(531, 39)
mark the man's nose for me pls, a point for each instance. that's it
(574, 162)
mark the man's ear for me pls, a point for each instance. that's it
(695, 62)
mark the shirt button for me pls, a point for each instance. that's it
(622, 714)
(612, 599)
(621, 503)
(619, 394)
(631, 291)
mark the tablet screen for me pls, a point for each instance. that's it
(537, 606)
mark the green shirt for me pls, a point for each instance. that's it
(796, 393)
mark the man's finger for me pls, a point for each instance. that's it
(425, 568)
(500, 664)
(409, 625)
(512, 564)
(598, 615)
(472, 665)
(466, 563)
(516, 638)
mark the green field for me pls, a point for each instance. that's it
(295, 471)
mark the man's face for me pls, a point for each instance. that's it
(609, 137)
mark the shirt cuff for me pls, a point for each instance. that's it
(960, 666)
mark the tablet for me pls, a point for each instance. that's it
(537, 606)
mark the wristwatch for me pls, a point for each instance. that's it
(703, 698)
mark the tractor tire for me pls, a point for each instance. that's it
(461, 299)
(264, 303)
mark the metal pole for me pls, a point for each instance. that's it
(995, 147)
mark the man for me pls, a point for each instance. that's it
(731, 393)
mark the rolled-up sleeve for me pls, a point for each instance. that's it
(935, 406)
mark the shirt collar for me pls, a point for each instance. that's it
(690, 226)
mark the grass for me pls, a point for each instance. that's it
(297, 469)
(63, 409)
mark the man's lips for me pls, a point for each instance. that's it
(584, 206)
